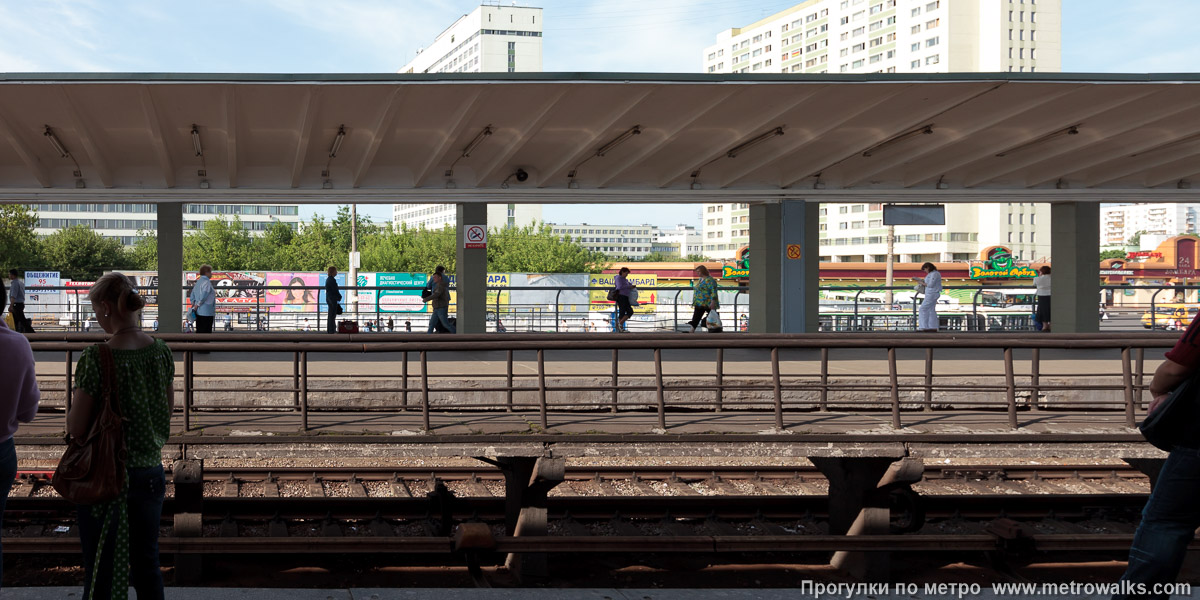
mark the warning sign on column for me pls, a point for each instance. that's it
(476, 237)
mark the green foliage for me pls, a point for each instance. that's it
(695, 258)
(658, 257)
(82, 254)
(143, 255)
(1136, 238)
(535, 249)
(18, 242)
(1107, 254)
(225, 245)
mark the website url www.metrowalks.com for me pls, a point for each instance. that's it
(818, 589)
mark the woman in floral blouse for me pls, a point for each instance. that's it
(704, 297)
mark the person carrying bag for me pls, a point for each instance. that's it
(92, 469)
(704, 297)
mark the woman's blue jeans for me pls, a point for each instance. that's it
(1168, 522)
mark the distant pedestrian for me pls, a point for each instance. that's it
(624, 289)
(1042, 283)
(439, 304)
(204, 300)
(19, 397)
(391, 327)
(408, 326)
(704, 297)
(120, 537)
(16, 299)
(332, 297)
(931, 287)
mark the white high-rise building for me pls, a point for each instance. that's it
(890, 36)
(491, 39)
(1119, 223)
(684, 240)
(437, 216)
(123, 221)
(629, 241)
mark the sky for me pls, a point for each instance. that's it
(380, 36)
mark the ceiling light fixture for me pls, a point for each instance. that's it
(196, 140)
(923, 130)
(470, 148)
(1072, 130)
(605, 149)
(54, 141)
(733, 152)
(337, 141)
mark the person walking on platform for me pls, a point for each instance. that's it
(624, 289)
(120, 537)
(18, 398)
(204, 300)
(1042, 283)
(332, 297)
(1171, 515)
(704, 297)
(931, 286)
(17, 302)
(439, 303)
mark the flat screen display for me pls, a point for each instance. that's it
(914, 214)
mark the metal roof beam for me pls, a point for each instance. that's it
(87, 139)
(459, 120)
(1147, 158)
(231, 135)
(32, 162)
(309, 107)
(532, 126)
(154, 122)
(588, 146)
(378, 131)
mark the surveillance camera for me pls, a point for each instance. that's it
(521, 175)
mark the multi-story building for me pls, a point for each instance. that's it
(856, 233)
(684, 240)
(888, 36)
(629, 241)
(437, 216)
(1119, 223)
(123, 221)
(491, 39)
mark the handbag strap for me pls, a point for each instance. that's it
(108, 379)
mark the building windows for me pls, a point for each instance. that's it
(915, 29)
(933, 41)
(916, 11)
(845, 51)
(843, 209)
(932, 24)
(877, 41)
(512, 57)
(858, 63)
(932, 60)
(1010, 237)
(876, 58)
(1032, 53)
(712, 55)
(933, 5)
(844, 225)
(859, 31)
(916, 47)
(859, 47)
(916, 64)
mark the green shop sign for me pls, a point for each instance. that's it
(734, 272)
(1013, 272)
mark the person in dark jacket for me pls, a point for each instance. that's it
(439, 304)
(332, 297)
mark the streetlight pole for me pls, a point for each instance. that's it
(353, 277)
(891, 245)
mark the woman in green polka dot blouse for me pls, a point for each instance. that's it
(120, 537)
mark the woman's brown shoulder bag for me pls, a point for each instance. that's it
(92, 470)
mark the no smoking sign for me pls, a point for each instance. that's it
(793, 251)
(475, 237)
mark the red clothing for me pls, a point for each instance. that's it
(1187, 350)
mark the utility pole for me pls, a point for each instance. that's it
(352, 278)
(891, 246)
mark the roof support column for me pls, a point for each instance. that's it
(1075, 251)
(784, 288)
(471, 271)
(170, 267)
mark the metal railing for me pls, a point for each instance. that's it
(707, 384)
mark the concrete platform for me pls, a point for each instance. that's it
(985, 593)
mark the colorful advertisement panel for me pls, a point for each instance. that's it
(285, 292)
(237, 291)
(600, 284)
(401, 300)
(341, 282)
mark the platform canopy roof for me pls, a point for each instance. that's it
(973, 137)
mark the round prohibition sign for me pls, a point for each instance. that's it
(475, 234)
(793, 251)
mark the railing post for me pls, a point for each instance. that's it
(615, 375)
(70, 387)
(1010, 384)
(557, 317)
(824, 401)
(1153, 314)
(509, 380)
(895, 382)
(425, 391)
(1127, 379)
(929, 379)
(720, 378)
(188, 384)
(295, 380)
(404, 380)
(304, 391)
(1141, 370)
(778, 384)
(676, 307)
(1035, 380)
(658, 390)
(544, 408)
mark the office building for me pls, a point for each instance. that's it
(1119, 223)
(683, 240)
(889, 36)
(123, 221)
(629, 241)
(437, 216)
(491, 39)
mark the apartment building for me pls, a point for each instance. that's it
(888, 36)
(491, 39)
(1119, 223)
(683, 240)
(123, 221)
(629, 241)
(437, 216)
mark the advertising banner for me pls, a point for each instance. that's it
(493, 296)
(341, 282)
(38, 299)
(400, 300)
(600, 284)
(286, 292)
(147, 282)
(237, 291)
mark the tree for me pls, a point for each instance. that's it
(273, 250)
(81, 254)
(695, 258)
(225, 245)
(1107, 254)
(18, 242)
(658, 257)
(535, 249)
(314, 248)
(144, 252)
(1136, 238)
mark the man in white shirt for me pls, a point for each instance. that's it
(16, 295)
